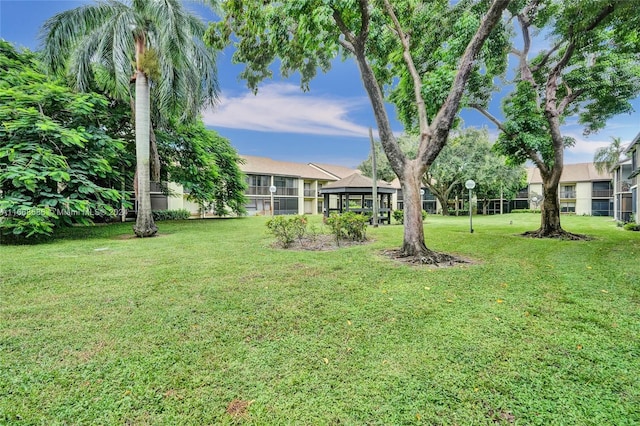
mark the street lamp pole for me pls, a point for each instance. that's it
(272, 190)
(470, 184)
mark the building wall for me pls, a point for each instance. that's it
(583, 198)
(635, 187)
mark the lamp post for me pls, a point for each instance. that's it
(272, 190)
(470, 184)
(535, 200)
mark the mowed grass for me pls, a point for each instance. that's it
(208, 324)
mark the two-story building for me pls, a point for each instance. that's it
(582, 191)
(297, 185)
(633, 178)
(298, 189)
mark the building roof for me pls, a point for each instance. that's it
(581, 172)
(635, 144)
(338, 171)
(357, 183)
(267, 166)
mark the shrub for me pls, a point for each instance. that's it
(398, 216)
(348, 226)
(525, 211)
(287, 228)
(632, 227)
(181, 214)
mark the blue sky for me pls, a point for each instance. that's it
(328, 124)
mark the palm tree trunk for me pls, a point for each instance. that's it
(144, 227)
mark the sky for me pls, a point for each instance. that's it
(328, 124)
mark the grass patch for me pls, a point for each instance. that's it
(207, 324)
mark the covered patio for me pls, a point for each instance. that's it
(355, 194)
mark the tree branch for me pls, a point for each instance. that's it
(555, 72)
(447, 113)
(490, 116)
(571, 96)
(347, 46)
(516, 52)
(349, 36)
(417, 81)
(357, 46)
(535, 157)
(546, 57)
(364, 23)
(525, 70)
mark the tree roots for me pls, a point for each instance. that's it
(559, 234)
(425, 257)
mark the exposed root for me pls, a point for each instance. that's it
(559, 234)
(428, 257)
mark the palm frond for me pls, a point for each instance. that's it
(102, 36)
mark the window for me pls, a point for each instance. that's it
(258, 184)
(251, 204)
(308, 190)
(602, 208)
(601, 189)
(285, 185)
(285, 205)
(523, 193)
(568, 191)
(428, 196)
(567, 207)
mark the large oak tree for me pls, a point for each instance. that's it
(384, 38)
(590, 71)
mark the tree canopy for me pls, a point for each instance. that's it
(590, 71)
(205, 164)
(56, 156)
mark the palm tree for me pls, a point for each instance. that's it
(157, 44)
(606, 158)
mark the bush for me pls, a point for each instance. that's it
(181, 214)
(632, 227)
(398, 216)
(348, 226)
(525, 211)
(287, 228)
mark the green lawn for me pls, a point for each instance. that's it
(100, 329)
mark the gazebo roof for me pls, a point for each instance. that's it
(357, 184)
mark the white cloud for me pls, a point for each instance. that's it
(283, 108)
(584, 146)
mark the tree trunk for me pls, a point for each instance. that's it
(413, 242)
(144, 227)
(550, 211)
(444, 203)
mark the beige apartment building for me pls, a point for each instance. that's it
(298, 190)
(582, 190)
(627, 180)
